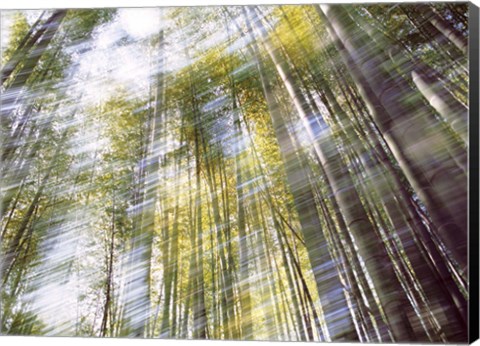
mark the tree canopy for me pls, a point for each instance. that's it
(295, 172)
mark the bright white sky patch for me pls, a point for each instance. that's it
(113, 63)
(6, 22)
(140, 22)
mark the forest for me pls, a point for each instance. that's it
(293, 172)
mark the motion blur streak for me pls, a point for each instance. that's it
(250, 173)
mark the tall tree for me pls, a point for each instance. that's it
(430, 172)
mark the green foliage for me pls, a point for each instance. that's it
(130, 183)
(81, 22)
(17, 31)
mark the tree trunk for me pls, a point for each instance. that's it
(14, 89)
(369, 245)
(328, 284)
(410, 130)
(244, 289)
(444, 28)
(25, 46)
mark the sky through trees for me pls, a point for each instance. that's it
(252, 173)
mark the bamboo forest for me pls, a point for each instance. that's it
(273, 172)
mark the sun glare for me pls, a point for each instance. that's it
(140, 23)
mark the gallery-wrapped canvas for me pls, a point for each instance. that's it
(270, 172)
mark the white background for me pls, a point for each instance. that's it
(54, 341)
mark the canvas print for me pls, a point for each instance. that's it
(295, 172)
